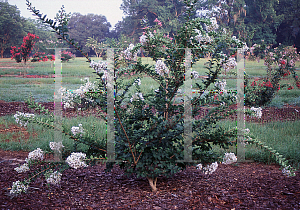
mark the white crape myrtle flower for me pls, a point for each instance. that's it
(22, 118)
(214, 25)
(221, 85)
(18, 187)
(22, 168)
(202, 38)
(37, 154)
(229, 158)
(143, 40)
(230, 64)
(75, 160)
(100, 67)
(209, 169)
(161, 68)
(137, 97)
(195, 75)
(128, 54)
(77, 130)
(287, 171)
(54, 178)
(56, 146)
(258, 111)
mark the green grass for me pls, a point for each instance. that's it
(40, 137)
(281, 136)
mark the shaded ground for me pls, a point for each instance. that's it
(237, 186)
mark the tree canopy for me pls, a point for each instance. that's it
(11, 24)
(81, 27)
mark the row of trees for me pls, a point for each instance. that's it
(274, 21)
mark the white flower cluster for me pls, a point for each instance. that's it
(230, 64)
(77, 130)
(54, 178)
(214, 25)
(22, 168)
(137, 97)
(287, 171)
(68, 96)
(84, 88)
(56, 146)
(258, 111)
(100, 67)
(143, 40)
(221, 85)
(161, 68)
(37, 154)
(75, 160)
(17, 188)
(200, 38)
(195, 75)
(24, 118)
(229, 158)
(128, 54)
(209, 169)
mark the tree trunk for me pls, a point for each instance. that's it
(152, 183)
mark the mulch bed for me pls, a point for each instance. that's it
(236, 186)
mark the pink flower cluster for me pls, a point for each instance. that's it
(22, 53)
(158, 22)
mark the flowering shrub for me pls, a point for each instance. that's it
(280, 62)
(39, 56)
(66, 56)
(22, 53)
(149, 127)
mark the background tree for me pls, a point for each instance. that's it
(11, 32)
(81, 27)
(251, 21)
(288, 32)
(169, 12)
(97, 47)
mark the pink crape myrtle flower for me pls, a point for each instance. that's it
(158, 22)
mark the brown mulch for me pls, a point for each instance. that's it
(236, 186)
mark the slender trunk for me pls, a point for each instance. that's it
(152, 183)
